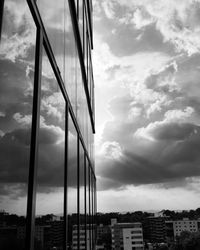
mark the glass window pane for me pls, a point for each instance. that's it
(52, 13)
(49, 224)
(81, 105)
(72, 206)
(71, 57)
(81, 20)
(17, 57)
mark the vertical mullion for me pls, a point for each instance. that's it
(95, 198)
(92, 213)
(85, 198)
(78, 192)
(65, 176)
(83, 13)
(31, 200)
(77, 9)
(89, 207)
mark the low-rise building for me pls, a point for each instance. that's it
(184, 225)
(127, 236)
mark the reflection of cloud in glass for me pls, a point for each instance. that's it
(17, 52)
(18, 32)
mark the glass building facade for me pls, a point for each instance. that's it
(47, 174)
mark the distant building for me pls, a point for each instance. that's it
(41, 233)
(46, 236)
(57, 233)
(104, 237)
(154, 228)
(8, 233)
(87, 238)
(127, 236)
(102, 230)
(184, 225)
(169, 231)
(179, 226)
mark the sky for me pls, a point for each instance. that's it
(146, 61)
(147, 69)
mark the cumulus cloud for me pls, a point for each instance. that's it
(153, 58)
(111, 150)
(23, 120)
(16, 118)
(109, 8)
(178, 21)
(162, 151)
(18, 32)
(142, 18)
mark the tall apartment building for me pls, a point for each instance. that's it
(154, 229)
(46, 119)
(127, 236)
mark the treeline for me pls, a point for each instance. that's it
(139, 216)
(191, 214)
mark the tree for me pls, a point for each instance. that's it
(187, 241)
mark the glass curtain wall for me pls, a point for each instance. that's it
(17, 57)
(46, 115)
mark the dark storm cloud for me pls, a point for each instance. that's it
(160, 150)
(15, 153)
(48, 135)
(16, 109)
(174, 131)
(174, 163)
(14, 157)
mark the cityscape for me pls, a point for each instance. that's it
(99, 125)
(110, 231)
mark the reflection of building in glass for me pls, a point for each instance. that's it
(46, 124)
(85, 234)
(104, 240)
(127, 236)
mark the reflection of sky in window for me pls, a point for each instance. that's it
(18, 32)
(17, 52)
(16, 76)
(51, 150)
